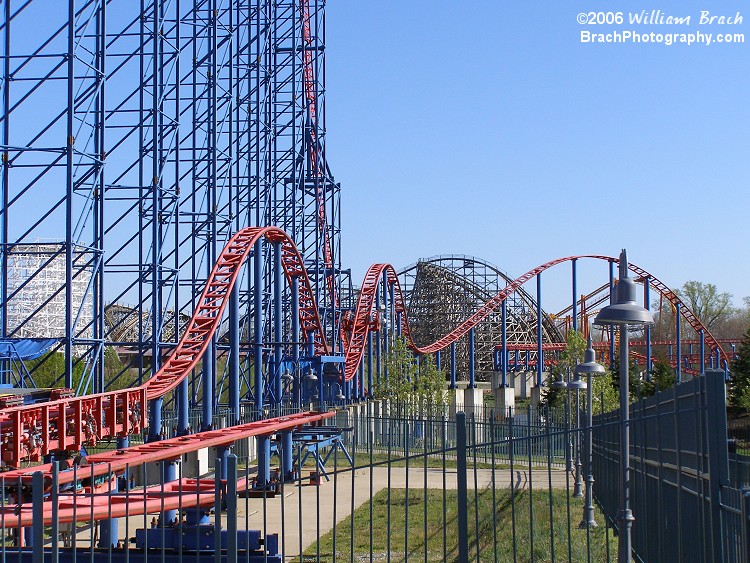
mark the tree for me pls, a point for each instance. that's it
(663, 375)
(635, 378)
(413, 385)
(712, 308)
(603, 394)
(735, 324)
(705, 301)
(567, 360)
(429, 386)
(739, 383)
(49, 370)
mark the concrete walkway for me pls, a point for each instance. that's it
(316, 523)
(303, 513)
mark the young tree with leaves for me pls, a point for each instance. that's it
(567, 360)
(662, 376)
(413, 385)
(739, 383)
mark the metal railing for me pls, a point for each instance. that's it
(383, 484)
(685, 506)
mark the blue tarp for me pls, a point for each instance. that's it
(25, 348)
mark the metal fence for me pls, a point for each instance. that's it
(382, 483)
(684, 504)
(373, 486)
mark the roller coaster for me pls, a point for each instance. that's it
(155, 134)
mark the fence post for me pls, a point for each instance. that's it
(232, 508)
(746, 523)
(37, 510)
(463, 510)
(718, 456)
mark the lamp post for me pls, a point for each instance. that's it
(578, 385)
(624, 312)
(590, 368)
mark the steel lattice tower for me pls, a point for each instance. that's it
(136, 137)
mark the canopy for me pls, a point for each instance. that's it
(25, 348)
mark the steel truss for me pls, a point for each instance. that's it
(139, 136)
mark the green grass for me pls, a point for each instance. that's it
(397, 518)
(416, 461)
(434, 460)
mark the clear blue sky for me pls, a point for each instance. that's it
(487, 128)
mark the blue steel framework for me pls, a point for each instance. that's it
(141, 135)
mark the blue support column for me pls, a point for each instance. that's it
(472, 377)
(612, 299)
(379, 357)
(264, 460)
(702, 336)
(369, 364)
(453, 365)
(678, 334)
(209, 384)
(438, 363)
(221, 453)
(168, 474)
(647, 305)
(539, 349)
(575, 293)
(361, 379)
(385, 324)
(258, 328)
(183, 406)
(309, 383)
(504, 343)
(277, 322)
(321, 389)
(108, 529)
(287, 456)
(297, 384)
(154, 419)
(234, 354)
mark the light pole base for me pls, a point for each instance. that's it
(587, 524)
(624, 539)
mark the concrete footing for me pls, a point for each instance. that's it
(505, 401)
(474, 402)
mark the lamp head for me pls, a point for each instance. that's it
(559, 383)
(577, 384)
(589, 365)
(624, 310)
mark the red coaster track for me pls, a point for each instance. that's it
(32, 431)
(363, 322)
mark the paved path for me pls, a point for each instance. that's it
(313, 527)
(271, 515)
